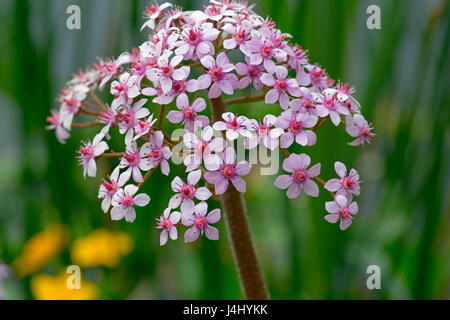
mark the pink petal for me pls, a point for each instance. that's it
(203, 193)
(221, 186)
(333, 185)
(212, 177)
(163, 237)
(201, 209)
(141, 200)
(213, 216)
(283, 181)
(340, 168)
(212, 233)
(175, 116)
(332, 207)
(194, 177)
(238, 183)
(293, 191)
(314, 171)
(311, 188)
(191, 234)
(332, 218)
(345, 223)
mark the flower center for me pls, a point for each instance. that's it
(87, 151)
(254, 72)
(165, 224)
(263, 130)
(121, 88)
(295, 126)
(201, 147)
(309, 105)
(166, 70)
(216, 73)
(233, 124)
(200, 223)
(317, 74)
(228, 171)
(189, 113)
(131, 159)
(151, 9)
(110, 186)
(177, 86)
(240, 36)
(300, 176)
(281, 84)
(156, 154)
(143, 124)
(266, 50)
(344, 213)
(366, 133)
(127, 201)
(187, 191)
(193, 37)
(347, 182)
(126, 117)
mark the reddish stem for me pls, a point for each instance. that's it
(252, 280)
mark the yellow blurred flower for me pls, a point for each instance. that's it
(39, 249)
(102, 247)
(48, 287)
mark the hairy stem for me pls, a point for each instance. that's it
(252, 280)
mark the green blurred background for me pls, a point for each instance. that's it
(401, 73)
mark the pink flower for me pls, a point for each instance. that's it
(144, 127)
(342, 208)
(179, 88)
(240, 33)
(334, 109)
(228, 171)
(152, 13)
(71, 101)
(167, 222)
(315, 76)
(196, 41)
(202, 150)
(281, 86)
(188, 113)
(295, 123)
(346, 183)
(358, 127)
(310, 102)
(233, 126)
(200, 222)
(218, 74)
(165, 73)
(262, 51)
(88, 151)
(111, 68)
(188, 192)
(156, 153)
(129, 117)
(135, 161)
(126, 88)
(108, 118)
(300, 176)
(252, 74)
(55, 124)
(107, 189)
(264, 133)
(124, 200)
(297, 57)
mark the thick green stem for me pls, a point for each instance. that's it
(252, 280)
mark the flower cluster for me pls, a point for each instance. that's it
(217, 52)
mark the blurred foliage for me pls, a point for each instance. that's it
(402, 76)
